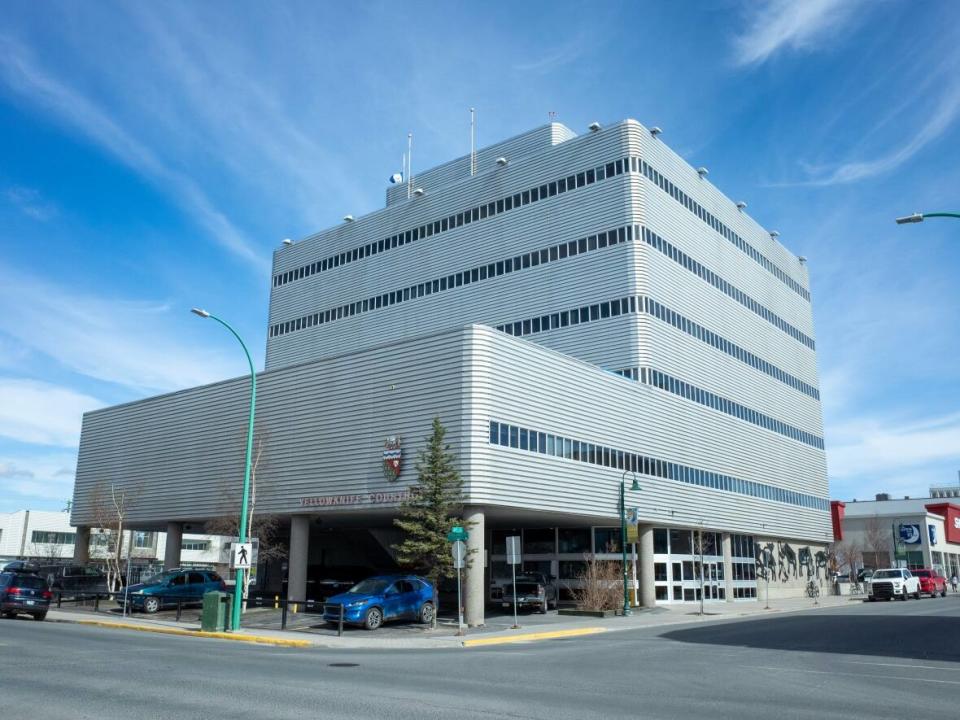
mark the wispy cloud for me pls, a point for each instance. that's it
(40, 413)
(774, 25)
(30, 202)
(943, 116)
(871, 446)
(133, 343)
(24, 75)
(556, 58)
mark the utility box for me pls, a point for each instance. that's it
(216, 611)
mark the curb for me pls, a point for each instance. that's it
(527, 637)
(259, 639)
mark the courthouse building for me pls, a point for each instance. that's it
(580, 310)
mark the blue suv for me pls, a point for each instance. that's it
(387, 597)
(169, 588)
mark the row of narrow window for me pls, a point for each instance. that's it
(704, 273)
(534, 258)
(643, 304)
(547, 255)
(710, 219)
(474, 214)
(520, 438)
(655, 378)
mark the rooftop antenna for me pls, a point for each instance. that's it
(473, 142)
(552, 115)
(409, 164)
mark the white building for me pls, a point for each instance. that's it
(48, 537)
(912, 533)
(580, 310)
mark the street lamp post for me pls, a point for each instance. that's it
(238, 587)
(920, 217)
(623, 535)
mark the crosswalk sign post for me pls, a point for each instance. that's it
(459, 552)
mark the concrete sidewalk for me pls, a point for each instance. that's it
(308, 631)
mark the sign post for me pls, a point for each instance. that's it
(459, 551)
(513, 559)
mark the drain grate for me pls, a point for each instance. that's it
(343, 664)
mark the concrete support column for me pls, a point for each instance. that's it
(171, 553)
(648, 597)
(81, 546)
(297, 562)
(727, 567)
(476, 588)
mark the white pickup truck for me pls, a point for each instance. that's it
(893, 583)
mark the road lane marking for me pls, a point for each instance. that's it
(527, 637)
(901, 665)
(857, 675)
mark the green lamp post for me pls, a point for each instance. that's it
(238, 587)
(623, 535)
(920, 217)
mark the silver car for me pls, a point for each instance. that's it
(533, 590)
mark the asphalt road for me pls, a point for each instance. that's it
(876, 660)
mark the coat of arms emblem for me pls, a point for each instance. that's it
(392, 457)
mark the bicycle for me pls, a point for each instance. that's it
(813, 589)
(856, 588)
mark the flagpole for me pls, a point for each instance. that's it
(409, 164)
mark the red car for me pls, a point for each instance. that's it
(932, 583)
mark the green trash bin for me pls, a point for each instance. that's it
(216, 611)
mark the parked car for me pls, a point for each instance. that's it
(376, 600)
(70, 580)
(533, 590)
(932, 583)
(24, 591)
(184, 587)
(325, 582)
(893, 582)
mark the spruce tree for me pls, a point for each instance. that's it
(431, 511)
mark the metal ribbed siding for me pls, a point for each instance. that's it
(324, 425)
(626, 415)
(585, 211)
(326, 420)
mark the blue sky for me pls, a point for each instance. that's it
(152, 155)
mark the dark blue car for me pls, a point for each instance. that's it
(387, 597)
(170, 588)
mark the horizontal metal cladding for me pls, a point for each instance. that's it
(321, 427)
(725, 286)
(673, 351)
(536, 389)
(449, 282)
(568, 159)
(613, 307)
(707, 306)
(536, 229)
(668, 383)
(506, 434)
(536, 289)
(694, 434)
(530, 142)
(477, 213)
(686, 178)
(670, 221)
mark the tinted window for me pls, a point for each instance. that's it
(34, 582)
(196, 578)
(214, 577)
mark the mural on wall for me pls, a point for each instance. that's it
(779, 562)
